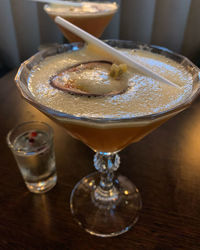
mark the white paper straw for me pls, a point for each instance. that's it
(68, 3)
(115, 53)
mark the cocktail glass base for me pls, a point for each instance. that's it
(105, 215)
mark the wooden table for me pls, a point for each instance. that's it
(165, 166)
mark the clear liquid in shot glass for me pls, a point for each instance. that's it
(36, 160)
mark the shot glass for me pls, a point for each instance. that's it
(32, 146)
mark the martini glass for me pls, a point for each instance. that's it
(92, 16)
(103, 203)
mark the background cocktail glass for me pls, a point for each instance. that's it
(93, 22)
(102, 203)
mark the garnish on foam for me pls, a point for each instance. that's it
(116, 71)
(92, 78)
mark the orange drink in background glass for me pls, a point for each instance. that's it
(92, 17)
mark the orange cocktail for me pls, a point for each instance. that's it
(92, 17)
(103, 204)
(110, 139)
(143, 96)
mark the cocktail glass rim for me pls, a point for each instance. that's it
(90, 13)
(101, 121)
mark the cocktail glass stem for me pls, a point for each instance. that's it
(106, 164)
(103, 203)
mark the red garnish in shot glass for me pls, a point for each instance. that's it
(31, 136)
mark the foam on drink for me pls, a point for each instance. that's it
(86, 9)
(144, 95)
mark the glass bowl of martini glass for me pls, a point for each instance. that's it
(91, 16)
(103, 203)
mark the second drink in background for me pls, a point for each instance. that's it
(92, 17)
